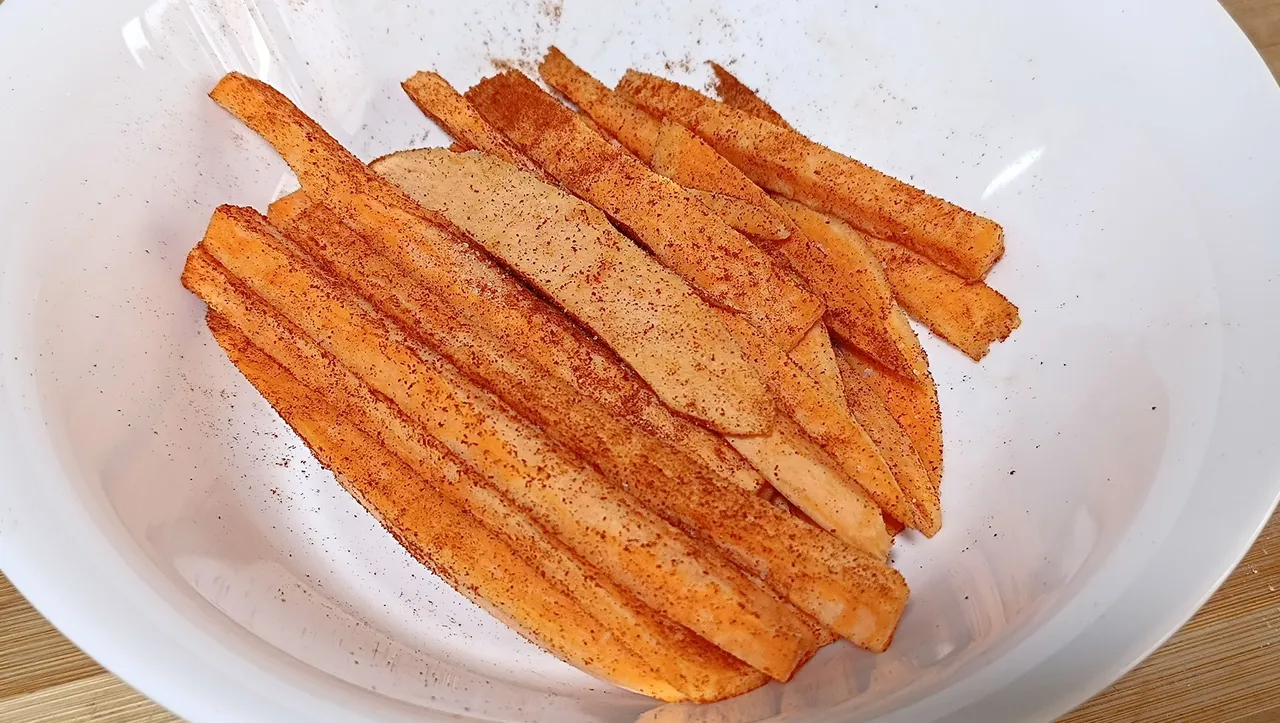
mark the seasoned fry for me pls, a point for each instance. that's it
(828, 422)
(569, 251)
(572, 358)
(914, 404)
(811, 480)
(428, 245)
(689, 161)
(815, 355)
(859, 306)
(544, 233)
(737, 94)
(684, 234)
(648, 557)
(857, 597)
(684, 158)
(452, 543)
(878, 328)
(637, 132)
(634, 128)
(446, 106)
(895, 446)
(743, 217)
(786, 162)
(700, 670)
(970, 315)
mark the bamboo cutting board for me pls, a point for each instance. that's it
(1223, 667)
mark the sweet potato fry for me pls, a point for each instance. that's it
(526, 222)
(654, 561)
(876, 325)
(814, 483)
(815, 572)
(698, 669)
(828, 422)
(436, 252)
(684, 158)
(743, 217)
(914, 404)
(815, 355)
(568, 354)
(451, 542)
(970, 315)
(859, 306)
(625, 124)
(737, 94)
(634, 128)
(446, 106)
(895, 446)
(569, 251)
(683, 233)
(786, 162)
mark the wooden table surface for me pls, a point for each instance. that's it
(1221, 668)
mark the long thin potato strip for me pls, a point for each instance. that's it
(969, 315)
(683, 233)
(451, 542)
(434, 96)
(827, 421)
(817, 357)
(739, 95)
(568, 250)
(426, 242)
(656, 562)
(918, 486)
(914, 404)
(786, 162)
(700, 670)
(852, 308)
(783, 551)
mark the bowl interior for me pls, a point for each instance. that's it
(1091, 422)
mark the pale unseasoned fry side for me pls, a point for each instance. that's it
(860, 308)
(634, 128)
(568, 250)
(815, 355)
(829, 422)
(896, 448)
(434, 96)
(699, 669)
(451, 542)
(879, 328)
(654, 561)
(738, 95)
(815, 572)
(683, 233)
(970, 315)
(914, 404)
(441, 257)
(743, 216)
(786, 162)
(569, 356)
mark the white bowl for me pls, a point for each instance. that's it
(1106, 467)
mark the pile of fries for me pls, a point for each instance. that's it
(635, 376)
